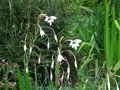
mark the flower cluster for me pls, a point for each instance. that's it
(57, 58)
(4, 63)
(50, 20)
(73, 43)
(63, 60)
(60, 57)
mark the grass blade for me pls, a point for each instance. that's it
(107, 36)
(20, 80)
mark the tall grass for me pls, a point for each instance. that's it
(111, 36)
(107, 36)
(20, 78)
(118, 36)
(81, 19)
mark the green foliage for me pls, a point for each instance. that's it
(95, 22)
(20, 80)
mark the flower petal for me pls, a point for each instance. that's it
(60, 58)
(75, 43)
(53, 17)
(50, 19)
(42, 33)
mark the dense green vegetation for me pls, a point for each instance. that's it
(77, 50)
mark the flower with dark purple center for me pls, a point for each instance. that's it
(75, 43)
(50, 19)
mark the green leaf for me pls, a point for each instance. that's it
(117, 25)
(83, 44)
(20, 80)
(85, 63)
(117, 66)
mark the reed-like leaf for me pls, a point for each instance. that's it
(107, 36)
(6, 84)
(113, 41)
(36, 81)
(20, 80)
(96, 67)
(117, 25)
(27, 82)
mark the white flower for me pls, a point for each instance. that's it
(75, 43)
(27, 69)
(60, 57)
(42, 33)
(50, 19)
(48, 45)
(68, 72)
(30, 50)
(75, 64)
(25, 47)
(39, 59)
(56, 38)
(51, 76)
(52, 65)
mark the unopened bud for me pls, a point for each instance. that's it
(25, 47)
(39, 59)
